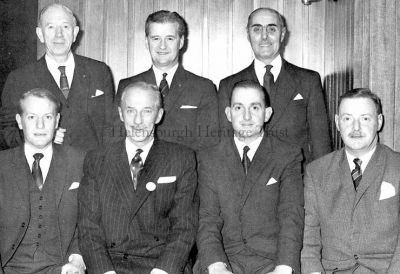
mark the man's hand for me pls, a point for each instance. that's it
(157, 271)
(218, 268)
(59, 137)
(281, 269)
(70, 268)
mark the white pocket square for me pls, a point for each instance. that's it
(271, 181)
(188, 107)
(98, 93)
(74, 185)
(298, 97)
(387, 191)
(166, 180)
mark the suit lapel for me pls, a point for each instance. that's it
(283, 92)
(149, 77)
(24, 177)
(176, 89)
(233, 165)
(345, 177)
(58, 172)
(80, 82)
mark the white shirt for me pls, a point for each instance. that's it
(159, 74)
(259, 67)
(131, 150)
(44, 163)
(253, 146)
(364, 159)
(55, 72)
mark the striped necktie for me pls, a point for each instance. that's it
(246, 159)
(164, 88)
(136, 165)
(36, 170)
(356, 173)
(268, 79)
(63, 82)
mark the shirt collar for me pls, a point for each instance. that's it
(47, 152)
(170, 74)
(253, 146)
(364, 159)
(131, 149)
(259, 67)
(52, 66)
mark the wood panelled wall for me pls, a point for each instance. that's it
(351, 43)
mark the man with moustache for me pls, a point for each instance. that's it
(190, 101)
(137, 205)
(82, 85)
(352, 197)
(251, 194)
(39, 181)
(296, 94)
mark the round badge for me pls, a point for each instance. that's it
(150, 186)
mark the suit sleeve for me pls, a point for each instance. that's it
(224, 93)
(290, 212)
(209, 237)
(91, 236)
(318, 120)
(183, 218)
(311, 252)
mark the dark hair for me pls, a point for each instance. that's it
(65, 8)
(253, 85)
(362, 93)
(280, 18)
(143, 86)
(39, 93)
(165, 16)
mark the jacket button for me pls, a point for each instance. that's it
(244, 241)
(356, 257)
(23, 225)
(112, 245)
(125, 256)
(156, 238)
(13, 247)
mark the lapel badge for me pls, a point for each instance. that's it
(150, 186)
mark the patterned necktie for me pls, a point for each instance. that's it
(136, 165)
(164, 88)
(63, 82)
(36, 171)
(245, 159)
(356, 173)
(268, 79)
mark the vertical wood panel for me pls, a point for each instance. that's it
(94, 30)
(396, 132)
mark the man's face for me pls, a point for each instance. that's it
(265, 34)
(140, 114)
(247, 113)
(164, 43)
(358, 123)
(38, 121)
(57, 31)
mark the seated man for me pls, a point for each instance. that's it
(39, 181)
(251, 194)
(138, 212)
(352, 197)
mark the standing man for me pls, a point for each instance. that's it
(190, 101)
(251, 194)
(84, 86)
(352, 197)
(296, 94)
(38, 194)
(138, 212)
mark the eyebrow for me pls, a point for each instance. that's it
(269, 25)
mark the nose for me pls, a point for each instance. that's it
(356, 124)
(59, 31)
(247, 115)
(163, 45)
(137, 119)
(264, 33)
(40, 123)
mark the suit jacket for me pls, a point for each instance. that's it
(261, 212)
(158, 226)
(345, 229)
(191, 109)
(302, 122)
(65, 168)
(88, 112)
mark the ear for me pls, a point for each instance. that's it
(39, 34)
(146, 42)
(283, 34)
(57, 119)
(181, 42)
(159, 115)
(268, 114)
(19, 120)
(121, 117)
(228, 114)
(337, 122)
(76, 31)
(380, 121)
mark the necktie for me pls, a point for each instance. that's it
(136, 165)
(63, 81)
(245, 159)
(164, 88)
(356, 173)
(36, 171)
(268, 79)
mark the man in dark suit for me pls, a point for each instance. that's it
(296, 94)
(190, 101)
(84, 86)
(38, 194)
(251, 194)
(352, 197)
(138, 212)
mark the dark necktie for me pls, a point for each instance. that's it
(63, 81)
(36, 171)
(356, 173)
(136, 166)
(164, 88)
(268, 79)
(245, 159)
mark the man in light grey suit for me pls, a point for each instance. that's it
(352, 197)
